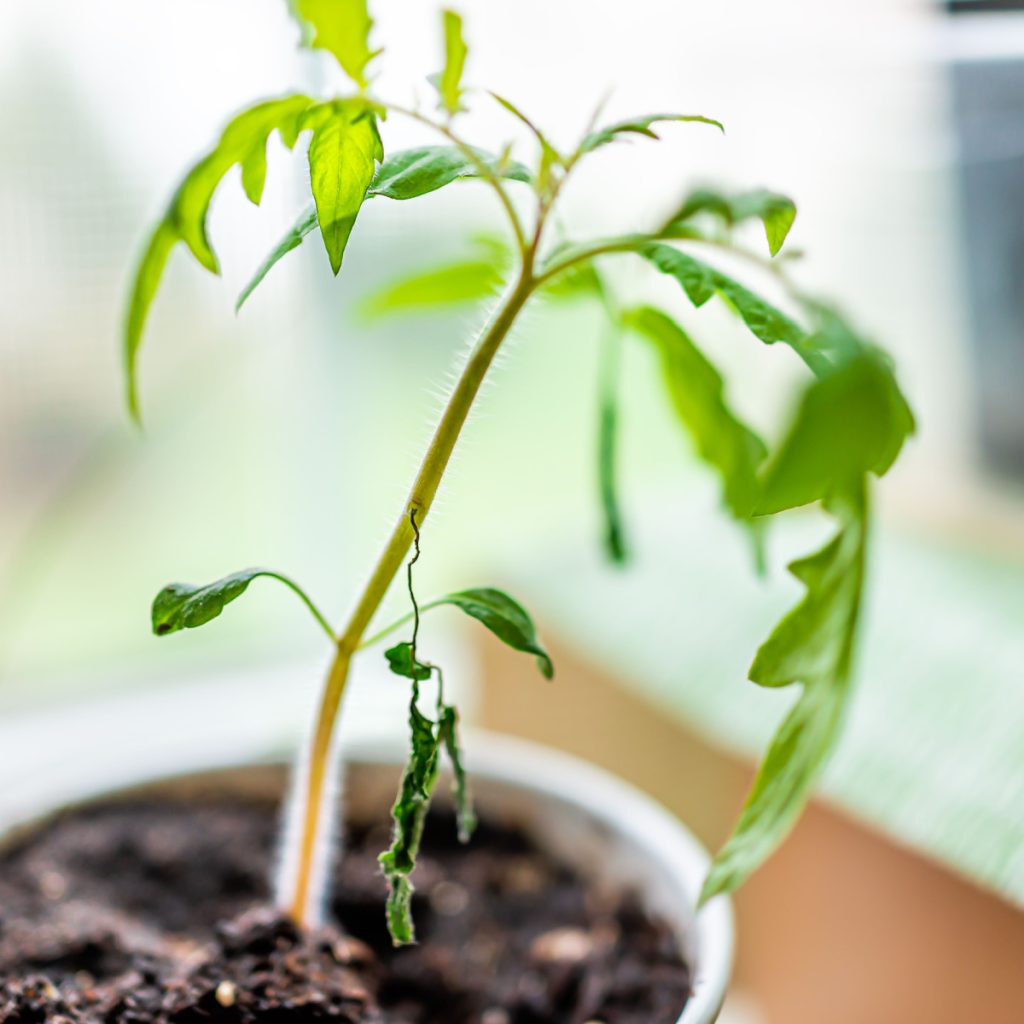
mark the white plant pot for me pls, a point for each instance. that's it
(609, 831)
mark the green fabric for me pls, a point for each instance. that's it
(933, 750)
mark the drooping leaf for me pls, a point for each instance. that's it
(185, 606)
(851, 421)
(402, 661)
(465, 815)
(343, 155)
(505, 618)
(244, 142)
(306, 223)
(607, 444)
(697, 393)
(638, 126)
(342, 27)
(812, 646)
(777, 213)
(468, 280)
(415, 172)
(449, 83)
(409, 813)
(701, 281)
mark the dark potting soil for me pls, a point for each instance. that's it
(156, 913)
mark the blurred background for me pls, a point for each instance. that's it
(286, 436)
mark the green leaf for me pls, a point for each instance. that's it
(343, 155)
(607, 441)
(637, 126)
(403, 175)
(468, 280)
(402, 661)
(777, 213)
(409, 814)
(415, 172)
(696, 390)
(244, 142)
(465, 815)
(578, 281)
(306, 223)
(851, 421)
(185, 606)
(813, 646)
(449, 83)
(700, 281)
(505, 618)
(549, 156)
(342, 27)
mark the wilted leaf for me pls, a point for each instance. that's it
(449, 737)
(402, 661)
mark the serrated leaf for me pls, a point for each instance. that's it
(243, 142)
(638, 126)
(415, 172)
(187, 606)
(342, 27)
(343, 155)
(850, 422)
(811, 646)
(505, 618)
(776, 212)
(292, 239)
(697, 393)
(402, 661)
(449, 82)
(409, 814)
(701, 281)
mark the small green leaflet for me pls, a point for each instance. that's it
(410, 173)
(342, 27)
(468, 280)
(185, 606)
(402, 661)
(776, 212)
(549, 156)
(701, 282)
(696, 390)
(851, 421)
(243, 141)
(813, 646)
(607, 446)
(343, 155)
(449, 82)
(407, 174)
(637, 126)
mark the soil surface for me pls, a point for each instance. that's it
(156, 913)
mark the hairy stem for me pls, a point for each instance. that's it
(414, 512)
